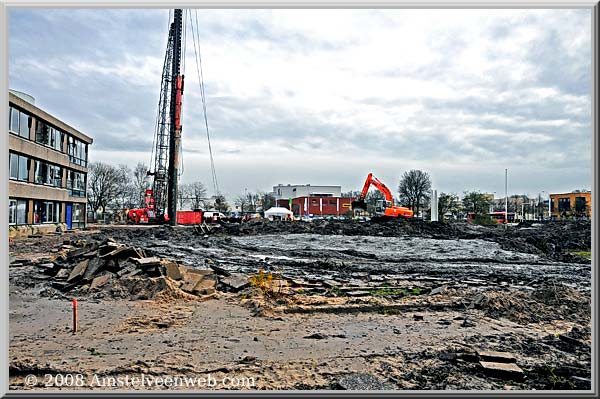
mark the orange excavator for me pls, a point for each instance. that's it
(385, 208)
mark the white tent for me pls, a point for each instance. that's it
(277, 212)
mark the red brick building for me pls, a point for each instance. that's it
(318, 206)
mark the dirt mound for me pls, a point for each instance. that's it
(134, 288)
(397, 227)
(549, 302)
(555, 239)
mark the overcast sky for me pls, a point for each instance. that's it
(326, 96)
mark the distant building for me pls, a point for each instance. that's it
(305, 190)
(47, 169)
(312, 200)
(571, 205)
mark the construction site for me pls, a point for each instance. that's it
(300, 305)
(380, 298)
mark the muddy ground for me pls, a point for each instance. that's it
(352, 305)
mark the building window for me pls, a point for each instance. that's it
(564, 204)
(17, 212)
(580, 204)
(77, 151)
(46, 212)
(19, 122)
(76, 184)
(19, 167)
(48, 174)
(78, 213)
(12, 211)
(56, 139)
(49, 136)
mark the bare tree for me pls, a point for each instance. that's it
(242, 202)
(447, 203)
(415, 189)
(140, 183)
(197, 195)
(351, 194)
(221, 204)
(183, 195)
(125, 197)
(266, 200)
(476, 202)
(102, 185)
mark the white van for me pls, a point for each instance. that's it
(212, 216)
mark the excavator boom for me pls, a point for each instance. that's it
(385, 208)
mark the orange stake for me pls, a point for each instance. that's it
(74, 315)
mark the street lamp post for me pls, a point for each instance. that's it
(506, 198)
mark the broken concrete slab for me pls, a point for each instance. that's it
(108, 247)
(439, 290)
(172, 270)
(331, 283)
(126, 270)
(205, 286)
(134, 272)
(235, 282)
(219, 270)
(147, 262)
(502, 370)
(498, 357)
(190, 280)
(78, 271)
(82, 251)
(200, 272)
(100, 281)
(95, 265)
(111, 251)
(62, 274)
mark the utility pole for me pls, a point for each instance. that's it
(175, 117)
(506, 198)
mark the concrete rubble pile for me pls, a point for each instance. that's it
(124, 271)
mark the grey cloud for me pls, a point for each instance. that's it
(120, 115)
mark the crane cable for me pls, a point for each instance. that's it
(201, 83)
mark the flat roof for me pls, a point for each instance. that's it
(40, 113)
(585, 192)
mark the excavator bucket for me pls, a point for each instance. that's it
(359, 204)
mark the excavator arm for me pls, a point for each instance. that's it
(371, 180)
